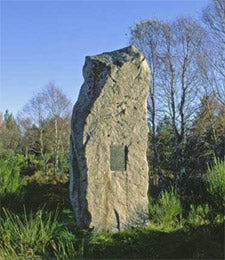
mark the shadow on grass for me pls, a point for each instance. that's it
(189, 243)
(36, 196)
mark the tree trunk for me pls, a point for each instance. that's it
(56, 164)
(154, 144)
(213, 129)
(56, 161)
(182, 170)
(173, 116)
(46, 168)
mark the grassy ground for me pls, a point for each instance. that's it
(203, 242)
(63, 240)
(153, 243)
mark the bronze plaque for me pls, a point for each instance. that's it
(117, 158)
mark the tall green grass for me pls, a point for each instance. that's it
(39, 235)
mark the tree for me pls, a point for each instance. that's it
(181, 79)
(205, 139)
(214, 19)
(10, 133)
(45, 123)
(33, 114)
(147, 37)
(174, 50)
(58, 108)
(1, 119)
(165, 144)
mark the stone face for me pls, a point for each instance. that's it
(109, 132)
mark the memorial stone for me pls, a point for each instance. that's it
(109, 133)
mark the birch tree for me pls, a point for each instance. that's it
(147, 37)
(33, 113)
(173, 52)
(58, 107)
(214, 19)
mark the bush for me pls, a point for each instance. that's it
(34, 235)
(216, 186)
(198, 215)
(166, 211)
(10, 179)
(29, 164)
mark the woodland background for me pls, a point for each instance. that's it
(186, 116)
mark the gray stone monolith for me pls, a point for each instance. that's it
(109, 133)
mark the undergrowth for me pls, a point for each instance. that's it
(196, 233)
(216, 186)
(167, 210)
(34, 235)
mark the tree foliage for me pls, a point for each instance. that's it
(10, 180)
(185, 105)
(214, 18)
(42, 130)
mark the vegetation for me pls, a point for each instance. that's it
(10, 179)
(199, 215)
(167, 211)
(173, 232)
(32, 236)
(186, 112)
(216, 186)
(186, 100)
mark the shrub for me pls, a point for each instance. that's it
(216, 186)
(166, 211)
(198, 215)
(10, 180)
(34, 235)
(29, 164)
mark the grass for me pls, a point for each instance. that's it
(49, 234)
(35, 196)
(153, 243)
(34, 235)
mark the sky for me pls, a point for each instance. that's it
(47, 41)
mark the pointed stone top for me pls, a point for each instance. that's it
(117, 57)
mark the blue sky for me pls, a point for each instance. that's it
(47, 41)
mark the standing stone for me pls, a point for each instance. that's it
(108, 166)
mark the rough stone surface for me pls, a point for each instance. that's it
(110, 114)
